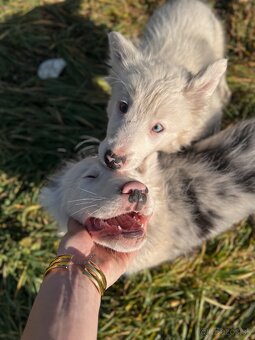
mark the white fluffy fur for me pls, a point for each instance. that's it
(173, 75)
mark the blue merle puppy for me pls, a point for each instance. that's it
(169, 205)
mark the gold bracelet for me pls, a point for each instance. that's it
(61, 258)
(90, 269)
(58, 265)
(97, 272)
(61, 261)
(94, 281)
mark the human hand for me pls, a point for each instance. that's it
(78, 242)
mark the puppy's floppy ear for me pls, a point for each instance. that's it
(49, 193)
(122, 50)
(51, 200)
(205, 82)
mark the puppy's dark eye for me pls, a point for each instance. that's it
(90, 176)
(158, 128)
(123, 106)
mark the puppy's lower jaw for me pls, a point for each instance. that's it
(123, 233)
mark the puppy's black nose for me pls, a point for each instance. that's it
(137, 192)
(114, 161)
(137, 196)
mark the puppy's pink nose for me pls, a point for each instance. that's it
(131, 186)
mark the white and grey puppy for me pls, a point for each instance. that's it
(191, 196)
(169, 89)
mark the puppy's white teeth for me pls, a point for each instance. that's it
(119, 228)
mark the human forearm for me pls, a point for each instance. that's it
(67, 304)
(66, 308)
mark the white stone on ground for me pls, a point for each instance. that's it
(51, 68)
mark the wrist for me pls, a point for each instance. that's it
(88, 268)
(73, 281)
(78, 256)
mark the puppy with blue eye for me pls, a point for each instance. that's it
(169, 88)
(166, 207)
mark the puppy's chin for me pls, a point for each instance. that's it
(121, 244)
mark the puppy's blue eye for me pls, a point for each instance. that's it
(123, 106)
(158, 128)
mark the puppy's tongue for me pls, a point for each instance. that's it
(126, 222)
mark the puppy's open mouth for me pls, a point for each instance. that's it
(130, 225)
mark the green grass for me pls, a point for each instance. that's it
(212, 291)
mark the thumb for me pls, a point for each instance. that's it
(74, 227)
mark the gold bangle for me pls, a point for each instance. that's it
(61, 261)
(99, 284)
(49, 269)
(94, 281)
(61, 258)
(96, 271)
(90, 269)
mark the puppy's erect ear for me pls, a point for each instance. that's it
(122, 50)
(205, 82)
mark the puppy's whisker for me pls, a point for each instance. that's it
(87, 199)
(96, 211)
(90, 192)
(83, 208)
(84, 203)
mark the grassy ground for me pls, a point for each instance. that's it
(210, 295)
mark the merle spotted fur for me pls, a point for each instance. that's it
(197, 194)
(201, 192)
